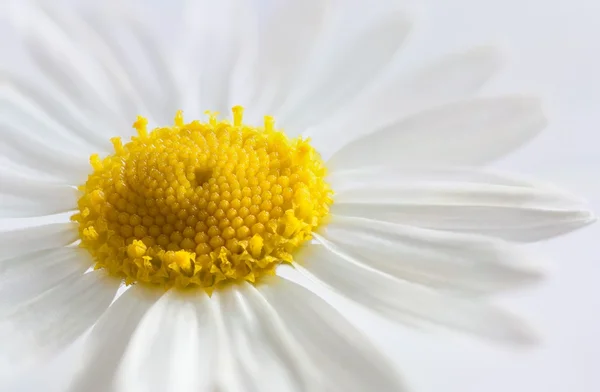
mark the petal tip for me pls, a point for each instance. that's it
(526, 336)
(529, 102)
(515, 331)
(587, 217)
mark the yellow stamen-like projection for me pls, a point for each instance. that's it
(201, 204)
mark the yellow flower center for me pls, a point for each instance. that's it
(201, 204)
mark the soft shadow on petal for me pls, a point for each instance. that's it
(29, 275)
(49, 107)
(454, 262)
(256, 345)
(173, 347)
(460, 200)
(348, 179)
(22, 197)
(138, 63)
(397, 299)
(463, 133)
(42, 156)
(243, 76)
(107, 342)
(286, 40)
(350, 55)
(33, 112)
(345, 359)
(40, 328)
(165, 98)
(395, 96)
(216, 36)
(26, 240)
(229, 370)
(89, 40)
(64, 51)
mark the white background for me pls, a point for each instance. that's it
(554, 49)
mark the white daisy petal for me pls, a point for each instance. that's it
(27, 187)
(470, 132)
(103, 356)
(82, 82)
(77, 76)
(172, 347)
(243, 76)
(18, 112)
(21, 241)
(127, 101)
(241, 337)
(263, 346)
(132, 92)
(101, 78)
(441, 260)
(297, 22)
(24, 277)
(396, 299)
(345, 359)
(11, 207)
(352, 55)
(397, 95)
(411, 234)
(50, 322)
(219, 32)
(464, 202)
(50, 103)
(25, 197)
(348, 179)
(164, 104)
(230, 374)
(42, 157)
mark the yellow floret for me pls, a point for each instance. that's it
(201, 204)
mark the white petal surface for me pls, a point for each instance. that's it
(20, 241)
(172, 347)
(69, 66)
(470, 132)
(396, 299)
(279, 337)
(72, 71)
(218, 36)
(246, 357)
(397, 95)
(41, 156)
(279, 61)
(127, 100)
(128, 86)
(460, 201)
(50, 322)
(351, 54)
(258, 346)
(22, 197)
(51, 104)
(24, 277)
(346, 360)
(165, 99)
(441, 260)
(349, 179)
(228, 374)
(109, 339)
(19, 111)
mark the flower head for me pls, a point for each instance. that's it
(334, 165)
(201, 204)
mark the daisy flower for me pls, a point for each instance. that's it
(333, 165)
